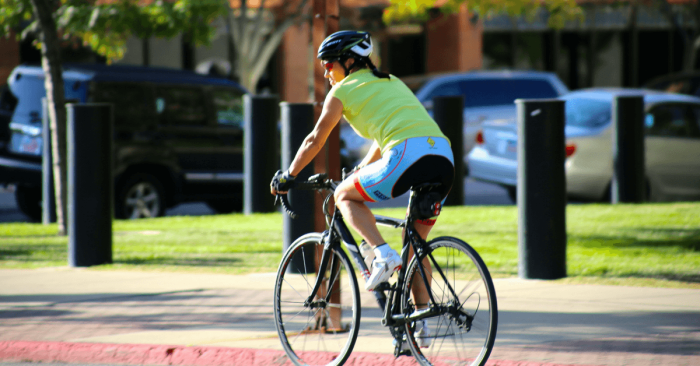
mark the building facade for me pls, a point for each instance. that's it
(617, 45)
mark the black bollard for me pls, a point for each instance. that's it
(90, 184)
(541, 189)
(448, 112)
(261, 159)
(297, 122)
(628, 182)
(48, 194)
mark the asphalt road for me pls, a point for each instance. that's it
(476, 193)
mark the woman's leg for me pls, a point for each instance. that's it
(420, 294)
(356, 213)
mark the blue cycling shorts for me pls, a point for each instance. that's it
(413, 161)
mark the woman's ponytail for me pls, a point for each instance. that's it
(374, 69)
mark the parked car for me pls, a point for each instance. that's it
(672, 144)
(488, 95)
(178, 136)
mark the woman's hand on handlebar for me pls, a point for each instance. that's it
(281, 182)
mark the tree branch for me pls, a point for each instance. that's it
(233, 27)
(270, 47)
(243, 20)
(294, 17)
(258, 18)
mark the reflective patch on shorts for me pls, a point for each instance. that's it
(359, 188)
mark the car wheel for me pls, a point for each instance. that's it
(141, 196)
(513, 194)
(28, 200)
(227, 205)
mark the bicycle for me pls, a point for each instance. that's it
(319, 306)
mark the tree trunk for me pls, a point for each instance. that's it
(253, 48)
(55, 94)
(247, 79)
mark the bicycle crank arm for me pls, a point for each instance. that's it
(401, 319)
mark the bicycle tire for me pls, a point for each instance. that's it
(300, 328)
(462, 339)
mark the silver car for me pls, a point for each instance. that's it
(672, 143)
(488, 95)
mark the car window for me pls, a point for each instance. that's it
(133, 103)
(674, 86)
(180, 106)
(671, 121)
(695, 128)
(495, 91)
(229, 107)
(7, 100)
(445, 90)
(684, 85)
(582, 112)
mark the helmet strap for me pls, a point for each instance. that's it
(349, 68)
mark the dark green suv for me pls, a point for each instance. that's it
(178, 136)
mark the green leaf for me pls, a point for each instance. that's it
(560, 11)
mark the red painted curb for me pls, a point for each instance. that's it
(144, 354)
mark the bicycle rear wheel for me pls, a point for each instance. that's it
(465, 330)
(325, 333)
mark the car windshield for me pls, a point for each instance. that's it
(583, 112)
(495, 91)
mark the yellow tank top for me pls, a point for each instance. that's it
(384, 110)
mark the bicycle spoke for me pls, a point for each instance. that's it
(295, 290)
(308, 321)
(297, 314)
(306, 270)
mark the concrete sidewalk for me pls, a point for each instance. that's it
(92, 316)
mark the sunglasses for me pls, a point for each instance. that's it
(328, 65)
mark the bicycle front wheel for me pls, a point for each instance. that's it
(464, 330)
(320, 332)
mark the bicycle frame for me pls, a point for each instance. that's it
(393, 317)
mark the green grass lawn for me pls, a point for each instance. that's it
(646, 244)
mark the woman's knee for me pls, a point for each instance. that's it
(340, 195)
(346, 193)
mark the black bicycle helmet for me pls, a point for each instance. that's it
(345, 44)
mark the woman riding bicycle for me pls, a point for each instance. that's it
(408, 147)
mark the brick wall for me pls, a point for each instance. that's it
(453, 43)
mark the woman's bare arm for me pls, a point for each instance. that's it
(330, 116)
